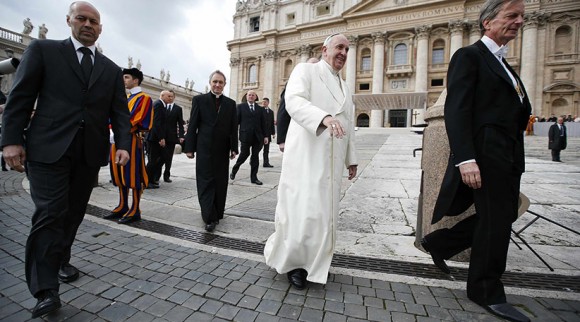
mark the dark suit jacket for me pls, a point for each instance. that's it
(282, 120)
(484, 117)
(174, 125)
(252, 124)
(270, 128)
(157, 132)
(50, 71)
(557, 141)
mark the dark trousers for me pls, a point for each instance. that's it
(266, 152)
(60, 192)
(168, 159)
(256, 146)
(487, 233)
(555, 155)
(155, 161)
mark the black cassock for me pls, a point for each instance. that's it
(212, 134)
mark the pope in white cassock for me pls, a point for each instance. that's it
(319, 146)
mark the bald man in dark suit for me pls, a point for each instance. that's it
(77, 92)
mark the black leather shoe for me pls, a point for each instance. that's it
(47, 302)
(232, 176)
(268, 166)
(437, 260)
(506, 311)
(153, 185)
(115, 215)
(129, 219)
(167, 180)
(210, 227)
(68, 273)
(258, 182)
(297, 278)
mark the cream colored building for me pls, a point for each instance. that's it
(400, 50)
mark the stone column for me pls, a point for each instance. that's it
(234, 78)
(304, 52)
(474, 32)
(530, 53)
(270, 56)
(351, 64)
(456, 29)
(434, 157)
(378, 75)
(422, 63)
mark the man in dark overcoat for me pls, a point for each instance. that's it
(557, 137)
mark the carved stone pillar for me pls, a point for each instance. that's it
(528, 69)
(474, 32)
(456, 30)
(422, 63)
(234, 77)
(304, 52)
(351, 64)
(270, 56)
(378, 75)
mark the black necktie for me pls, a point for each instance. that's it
(169, 108)
(86, 63)
(252, 107)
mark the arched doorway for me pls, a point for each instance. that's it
(362, 120)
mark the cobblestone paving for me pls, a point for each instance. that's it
(129, 277)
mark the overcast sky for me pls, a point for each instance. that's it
(186, 37)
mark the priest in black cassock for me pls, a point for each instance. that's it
(212, 134)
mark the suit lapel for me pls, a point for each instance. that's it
(98, 68)
(68, 51)
(493, 63)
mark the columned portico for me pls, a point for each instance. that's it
(530, 56)
(378, 75)
(234, 81)
(422, 63)
(474, 32)
(270, 56)
(351, 64)
(304, 51)
(456, 29)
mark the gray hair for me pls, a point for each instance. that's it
(490, 10)
(219, 72)
(327, 40)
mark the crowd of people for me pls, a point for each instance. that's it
(486, 112)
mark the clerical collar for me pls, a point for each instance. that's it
(135, 90)
(334, 72)
(216, 95)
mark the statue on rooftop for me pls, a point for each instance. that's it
(28, 26)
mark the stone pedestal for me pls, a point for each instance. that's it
(433, 164)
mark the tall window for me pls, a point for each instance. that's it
(563, 40)
(438, 54)
(287, 68)
(252, 74)
(365, 63)
(400, 57)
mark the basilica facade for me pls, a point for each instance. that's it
(400, 51)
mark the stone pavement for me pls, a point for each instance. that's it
(133, 274)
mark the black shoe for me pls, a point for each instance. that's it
(258, 182)
(506, 311)
(129, 219)
(115, 214)
(153, 185)
(210, 227)
(232, 175)
(4, 169)
(268, 166)
(437, 260)
(167, 180)
(297, 278)
(68, 273)
(48, 302)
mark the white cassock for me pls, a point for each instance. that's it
(312, 170)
